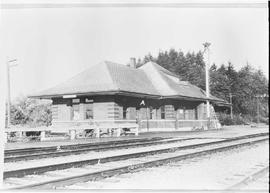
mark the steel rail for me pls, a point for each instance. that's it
(52, 184)
(76, 146)
(87, 149)
(81, 148)
(253, 177)
(43, 169)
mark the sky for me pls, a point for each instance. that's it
(54, 44)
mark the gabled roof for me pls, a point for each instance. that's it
(170, 87)
(150, 80)
(156, 76)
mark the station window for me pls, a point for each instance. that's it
(75, 101)
(162, 111)
(181, 114)
(124, 112)
(89, 111)
(75, 112)
(184, 115)
(151, 112)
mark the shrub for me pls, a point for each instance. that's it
(31, 112)
(226, 119)
(239, 120)
(262, 120)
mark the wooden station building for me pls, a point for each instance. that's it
(150, 95)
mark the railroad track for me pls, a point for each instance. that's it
(93, 169)
(253, 177)
(54, 151)
(82, 148)
(36, 150)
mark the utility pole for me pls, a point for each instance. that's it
(258, 105)
(3, 114)
(258, 109)
(206, 48)
(2, 120)
(231, 107)
(9, 65)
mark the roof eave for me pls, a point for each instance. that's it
(128, 93)
(184, 98)
(114, 92)
(223, 104)
(194, 98)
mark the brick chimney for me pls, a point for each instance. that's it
(132, 62)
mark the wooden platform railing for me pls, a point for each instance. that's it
(163, 124)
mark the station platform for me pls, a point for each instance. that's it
(225, 132)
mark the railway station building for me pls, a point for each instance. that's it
(150, 95)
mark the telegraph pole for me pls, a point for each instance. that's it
(3, 114)
(258, 109)
(2, 121)
(206, 48)
(258, 105)
(9, 65)
(231, 107)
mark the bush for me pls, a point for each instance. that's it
(239, 120)
(262, 120)
(31, 112)
(226, 119)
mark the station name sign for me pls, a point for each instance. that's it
(69, 96)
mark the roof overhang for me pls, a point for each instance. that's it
(223, 104)
(218, 101)
(131, 94)
(179, 97)
(74, 95)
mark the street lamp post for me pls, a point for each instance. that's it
(9, 65)
(207, 89)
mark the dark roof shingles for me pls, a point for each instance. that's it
(109, 76)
